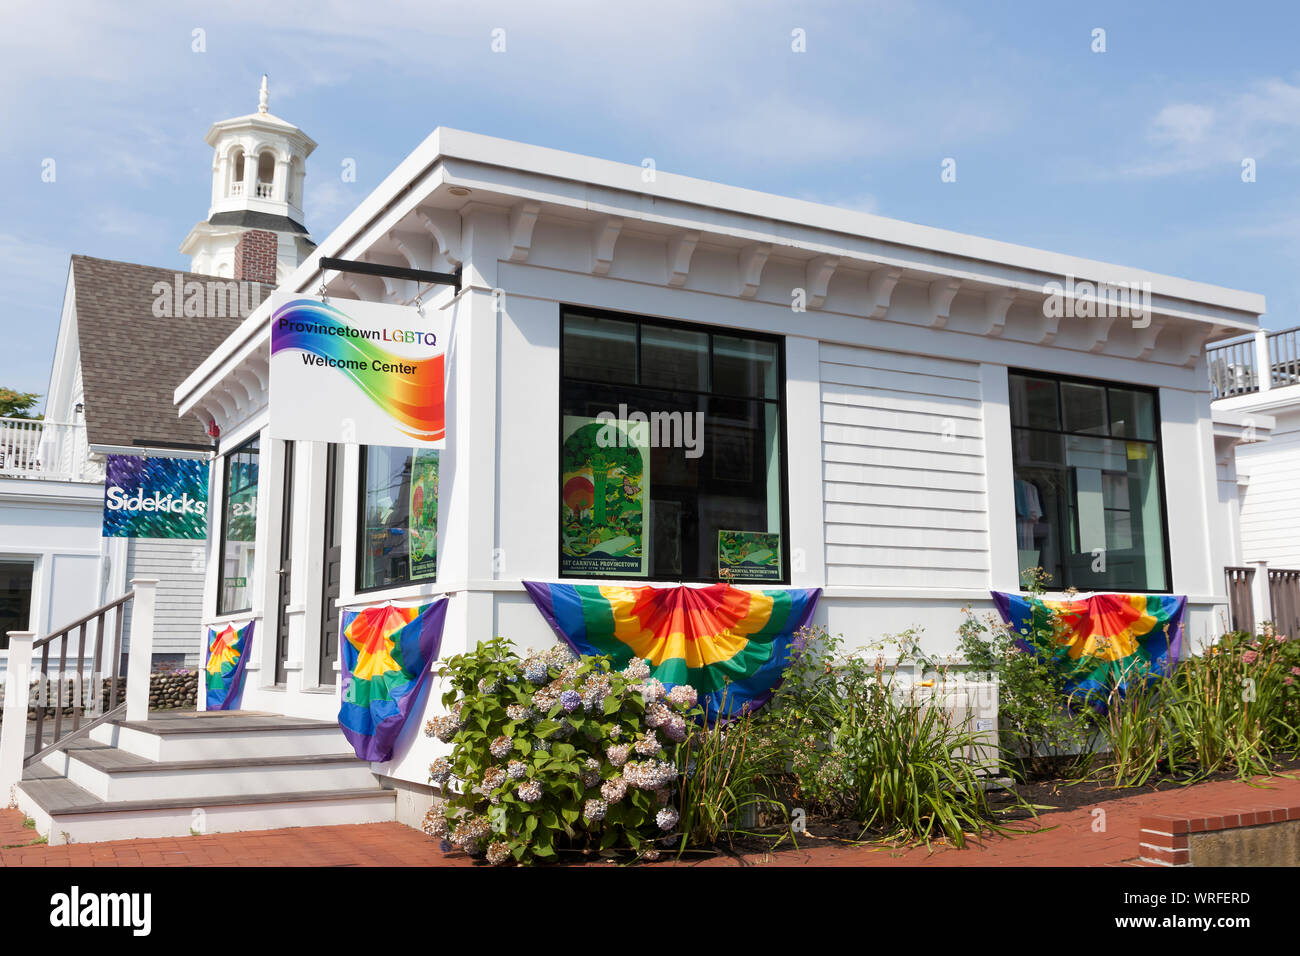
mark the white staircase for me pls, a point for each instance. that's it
(180, 773)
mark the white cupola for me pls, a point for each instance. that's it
(259, 165)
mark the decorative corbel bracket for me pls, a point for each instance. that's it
(604, 236)
(444, 226)
(752, 260)
(880, 291)
(523, 219)
(942, 292)
(817, 279)
(681, 248)
(997, 303)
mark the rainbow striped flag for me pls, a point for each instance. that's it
(1107, 640)
(386, 658)
(730, 644)
(224, 669)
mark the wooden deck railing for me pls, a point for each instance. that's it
(1269, 360)
(1241, 601)
(1284, 598)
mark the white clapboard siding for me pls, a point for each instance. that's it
(178, 565)
(1270, 508)
(903, 470)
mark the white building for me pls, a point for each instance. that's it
(259, 165)
(920, 415)
(1256, 386)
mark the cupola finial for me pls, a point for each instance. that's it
(263, 97)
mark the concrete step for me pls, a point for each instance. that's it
(114, 775)
(67, 813)
(222, 736)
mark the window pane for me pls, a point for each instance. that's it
(744, 367)
(599, 350)
(239, 519)
(385, 515)
(711, 474)
(1118, 541)
(15, 598)
(1132, 414)
(674, 358)
(1033, 402)
(1088, 508)
(1084, 407)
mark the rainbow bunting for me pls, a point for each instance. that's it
(729, 644)
(1108, 638)
(386, 657)
(226, 657)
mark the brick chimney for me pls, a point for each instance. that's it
(255, 256)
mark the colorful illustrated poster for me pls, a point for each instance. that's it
(363, 373)
(605, 495)
(750, 555)
(155, 497)
(423, 516)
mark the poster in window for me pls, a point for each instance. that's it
(605, 494)
(749, 555)
(423, 516)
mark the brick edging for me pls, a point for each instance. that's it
(1165, 837)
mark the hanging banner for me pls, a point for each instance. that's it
(749, 555)
(357, 372)
(155, 497)
(731, 645)
(386, 653)
(605, 495)
(227, 659)
(422, 517)
(1104, 641)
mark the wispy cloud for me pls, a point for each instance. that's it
(1261, 123)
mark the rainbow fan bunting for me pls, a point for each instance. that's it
(729, 644)
(1108, 639)
(386, 653)
(224, 670)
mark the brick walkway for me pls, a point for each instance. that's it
(1072, 841)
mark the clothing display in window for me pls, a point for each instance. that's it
(1029, 509)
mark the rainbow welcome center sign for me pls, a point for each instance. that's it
(357, 372)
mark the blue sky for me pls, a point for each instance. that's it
(1130, 156)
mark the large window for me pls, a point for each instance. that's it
(1089, 502)
(15, 597)
(238, 529)
(399, 517)
(671, 452)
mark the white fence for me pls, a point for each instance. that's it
(31, 448)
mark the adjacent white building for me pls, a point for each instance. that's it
(127, 334)
(1256, 386)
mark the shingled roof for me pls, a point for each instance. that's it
(132, 360)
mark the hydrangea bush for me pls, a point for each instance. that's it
(553, 752)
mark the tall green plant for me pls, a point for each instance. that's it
(1039, 732)
(851, 735)
(724, 786)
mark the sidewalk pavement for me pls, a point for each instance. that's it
(1068, 838)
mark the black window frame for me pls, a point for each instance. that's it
(359, 569)
(227, 458)
(30, 562)
(640, 320)
(1156, 442)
